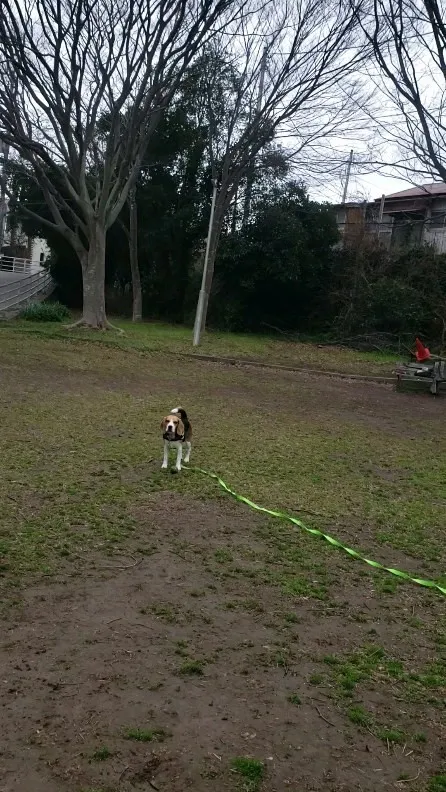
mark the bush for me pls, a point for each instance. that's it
(45, 312)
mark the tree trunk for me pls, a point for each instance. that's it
(234, 214)
(93, 281)
(133, 255)
(248, 195)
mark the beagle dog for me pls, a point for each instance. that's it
(177, 430)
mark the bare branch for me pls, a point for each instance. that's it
(408, 39)
(309, 87)
(65, 66)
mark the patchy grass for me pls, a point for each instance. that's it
(390, 735)
(164, 612)
(101, 754)
(355, 668)
(369, 668)
(145, 735)
(251, 771)
(437, 784)
(370, 664)
(80, 484)
(192, 668)
(359, 716)
(157, 337)
(353, 470)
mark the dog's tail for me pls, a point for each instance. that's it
(182, 413)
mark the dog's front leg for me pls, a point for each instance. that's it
(179, 456)
(166, 455)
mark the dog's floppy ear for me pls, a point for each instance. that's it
(180, 427)
(163, 423)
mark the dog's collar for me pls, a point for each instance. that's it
(177, 439)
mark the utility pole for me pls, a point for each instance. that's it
(347, 176)
(251, 170)
(202, 295)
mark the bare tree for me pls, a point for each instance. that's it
(408, 39)
(289, 72)
(65, 65)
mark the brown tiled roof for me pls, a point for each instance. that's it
(436, 188)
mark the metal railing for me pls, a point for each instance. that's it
(22, 266)
(15, 292)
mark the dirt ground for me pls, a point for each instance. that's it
(94, 655)
(155, 667)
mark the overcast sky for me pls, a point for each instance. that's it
(372, 186)
(369, 187)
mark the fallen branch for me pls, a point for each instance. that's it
(138, 624)
(290, 336)
(409, 780)
(323, 717)
(123, 773)
(126, 566)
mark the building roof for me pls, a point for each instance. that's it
(352, 204)
(424, 190)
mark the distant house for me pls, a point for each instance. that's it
(359, 221)
(411, 217)
(418, 215)
(18, 245)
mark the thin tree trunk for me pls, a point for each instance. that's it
(248, 195)
(133, 255)
(93, 281)
(234, 214)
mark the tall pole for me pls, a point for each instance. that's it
(250, 176)
(347, 176)
(202, 295)
(4, 151)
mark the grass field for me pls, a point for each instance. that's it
(158, 635)
(158, 337)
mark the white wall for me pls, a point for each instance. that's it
(437, 236)
(39, 247)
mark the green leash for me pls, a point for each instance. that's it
(315, 532)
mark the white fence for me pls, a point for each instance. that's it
(13, 293)
(22, 266)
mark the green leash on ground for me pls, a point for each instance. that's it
(315, 532)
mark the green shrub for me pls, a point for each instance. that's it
(437, 784)
(45, 312)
